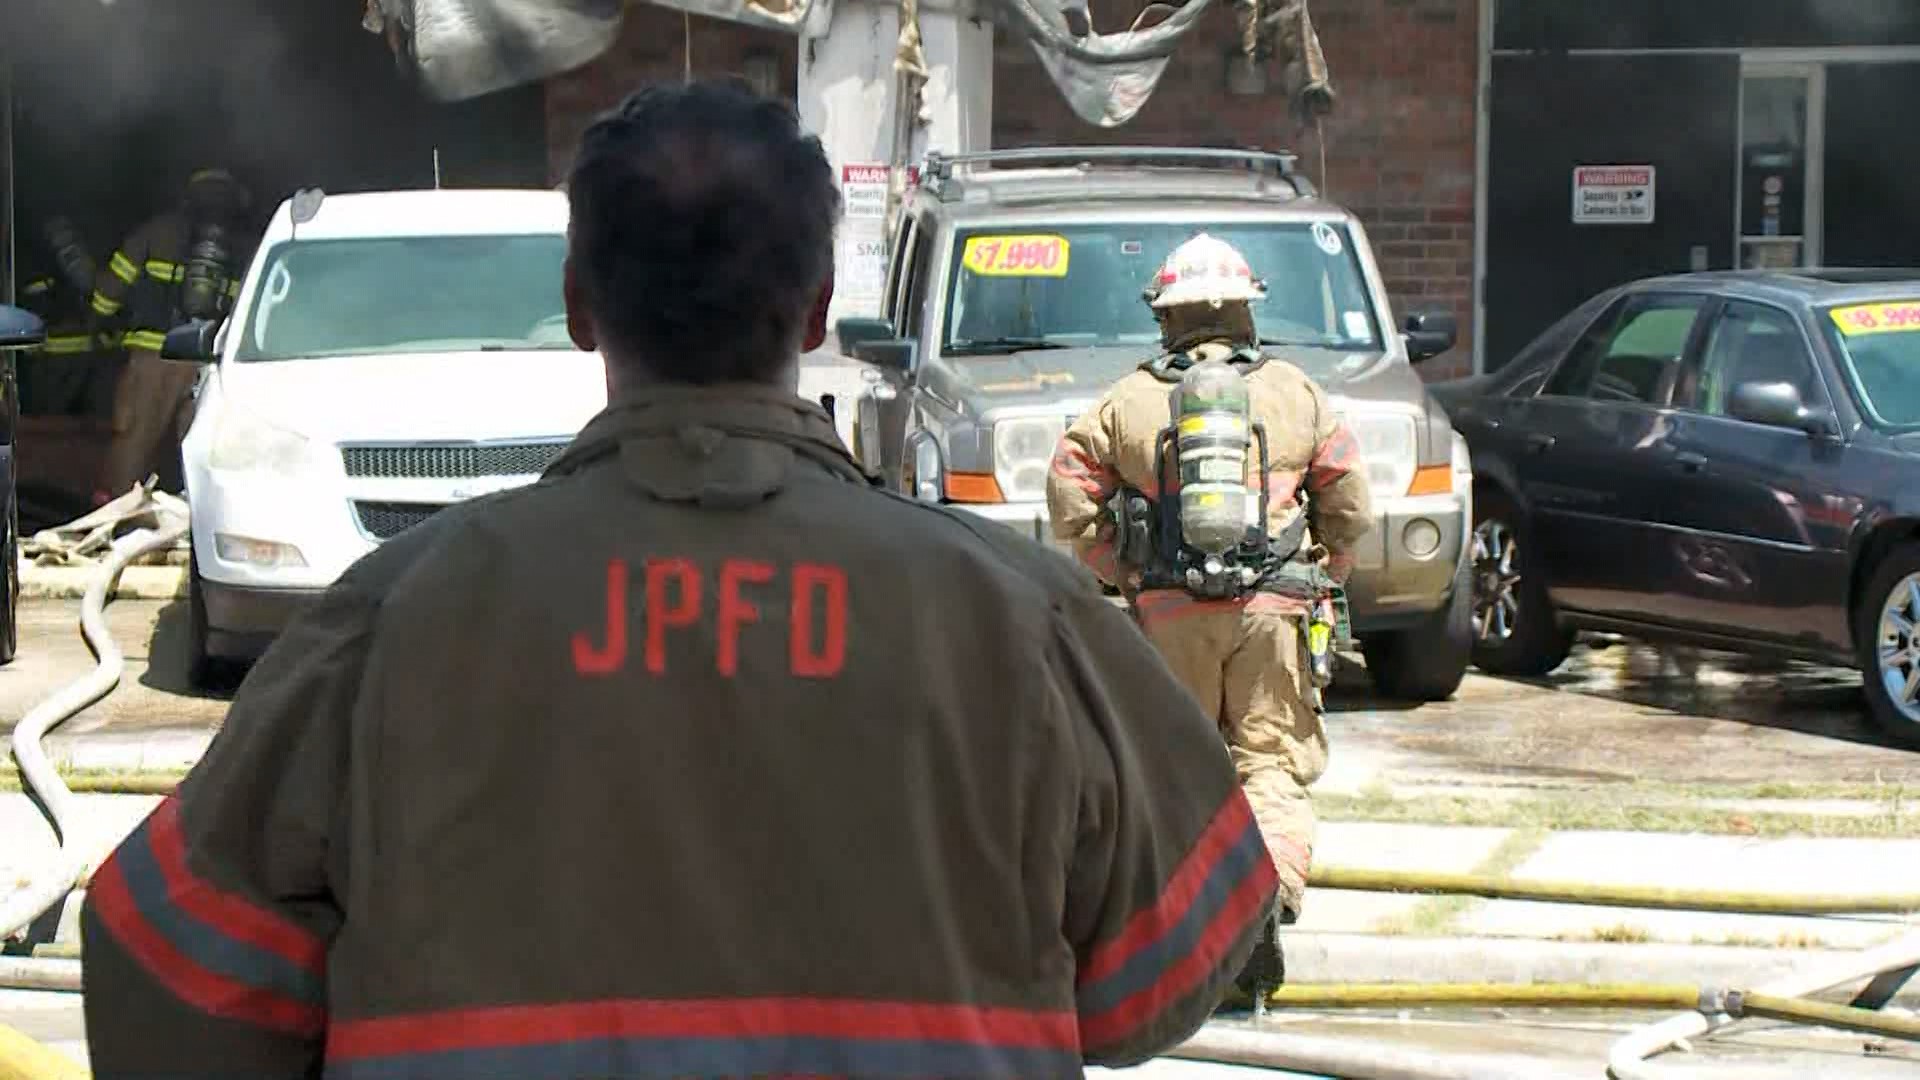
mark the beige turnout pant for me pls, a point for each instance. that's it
(1246, 663)
(151, 411)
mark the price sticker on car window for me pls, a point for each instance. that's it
(1878, 318)
(1016, 256)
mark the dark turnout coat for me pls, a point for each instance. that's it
(699, 757)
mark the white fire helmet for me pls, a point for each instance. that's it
(1204, 271)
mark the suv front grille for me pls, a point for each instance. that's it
(457, 462)
(386, 520)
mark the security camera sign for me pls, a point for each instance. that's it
(1613, 195)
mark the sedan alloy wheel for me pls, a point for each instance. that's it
(1496, 582)
(1899, 647)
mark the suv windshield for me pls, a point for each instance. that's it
(1080, 285)
(322, 298)
(1881, 345)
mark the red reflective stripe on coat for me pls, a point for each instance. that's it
(797, 1018)
(1071, 463)
(1335, 458)
(215, 951)
(236, 917)
(1167, 950)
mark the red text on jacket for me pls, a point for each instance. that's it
(675, 594)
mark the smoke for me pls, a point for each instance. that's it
(121, 102)
(1866, 20)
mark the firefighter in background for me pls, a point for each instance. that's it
(71, 375)
(1231, 624)
(184, 263)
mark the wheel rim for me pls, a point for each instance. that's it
(1496, 582)
(1899, 647)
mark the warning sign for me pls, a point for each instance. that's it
(1613, 195)
(860, 253)
(861, 266)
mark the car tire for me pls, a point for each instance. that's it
(1512, 624)
(1887, 633)
(1426, 662)
(205, 671)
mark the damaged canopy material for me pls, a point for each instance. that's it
(460, 49)
(465, 48)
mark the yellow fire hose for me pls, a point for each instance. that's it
(1677, 997)
(1632, 896)
(1844, 1017)
(23, 1059)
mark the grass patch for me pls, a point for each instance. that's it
(113, 781)
(1618, 934)
(1789, 939)
(1860, 791)
(1606, 811)
(1435, 916)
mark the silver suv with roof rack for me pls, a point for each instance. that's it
(1013, 300)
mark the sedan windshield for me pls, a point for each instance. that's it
(324, 298)
(1881, 345)
(1080, 285)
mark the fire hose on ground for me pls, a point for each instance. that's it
(1699, 1010)
(21, 1057)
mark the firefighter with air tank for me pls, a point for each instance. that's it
(1218, 490)
(184, 263)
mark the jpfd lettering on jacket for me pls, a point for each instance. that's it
(676, 593)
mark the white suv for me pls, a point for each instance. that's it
(390, 354)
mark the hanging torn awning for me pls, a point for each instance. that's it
(465, 48)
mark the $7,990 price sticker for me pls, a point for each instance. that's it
(1016, 256)
(1878, 318)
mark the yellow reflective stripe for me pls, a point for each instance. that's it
(123, 267)
(105, 305)
(150, 340)
(38, 286)
(233, 290)
(162, 270)
(67, 344)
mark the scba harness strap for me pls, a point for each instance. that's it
(1169, 367)
(1149, 538)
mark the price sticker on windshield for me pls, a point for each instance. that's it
(1878, 318)
(1016, 256)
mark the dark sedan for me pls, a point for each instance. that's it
(1727, 459)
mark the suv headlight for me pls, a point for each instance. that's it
(242, 443)
(1387, 446)
(1022, 452)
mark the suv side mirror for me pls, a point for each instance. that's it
(855, 332)
(191, 343)
(1777, 404)
(1430, 333)
(891, 354)
(20, 328)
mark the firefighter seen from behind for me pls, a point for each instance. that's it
(1218, 490)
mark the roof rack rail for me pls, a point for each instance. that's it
(942, 166)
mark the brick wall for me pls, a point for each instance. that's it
(1399, 147)
(654, 46)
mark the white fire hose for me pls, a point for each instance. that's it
(21, 908)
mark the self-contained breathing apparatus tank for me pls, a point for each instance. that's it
(1216, 528)
(69, 253)
(204, 280)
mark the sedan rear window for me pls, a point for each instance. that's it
(1880, 343)
(358, 297)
